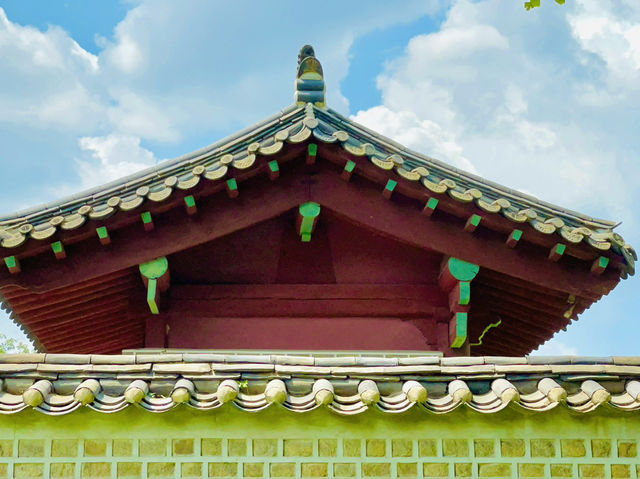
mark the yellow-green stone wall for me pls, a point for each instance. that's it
(277, 443)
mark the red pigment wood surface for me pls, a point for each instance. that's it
(93, 300)
(298, 333)
(294, 300)
(89, 317)
(271, 252)
(357, 201)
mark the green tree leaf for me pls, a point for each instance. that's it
(13, 346)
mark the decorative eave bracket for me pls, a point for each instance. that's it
(455, 280)
(155, 275)
(307, 218)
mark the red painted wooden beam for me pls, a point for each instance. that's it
(361, 205)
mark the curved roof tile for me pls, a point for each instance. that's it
(296, 125)
(58, 384)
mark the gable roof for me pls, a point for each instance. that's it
(536, 297)
(309, 123)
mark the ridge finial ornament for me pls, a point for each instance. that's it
(310, 87)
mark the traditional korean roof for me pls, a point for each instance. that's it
(309, 121)
(58, 384)
(83, 302)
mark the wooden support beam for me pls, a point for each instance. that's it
(430, 207)
(557, 251)
(307, 218)
(147, 221)
(599, 265)
(58, 250)
(460, 297)
(388, 189)
(274, 169)
(454, 270)
(348, 170)
(472, 223)
(155, 275)
(232, 188)
(266, 202)
(514, 238)
(312, 151)
(13, 264)
(455, 279)
(458, 330)
(103, 235)
(190, 205)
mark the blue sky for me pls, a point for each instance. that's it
(544, 101)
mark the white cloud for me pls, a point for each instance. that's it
(112, 157)
(46, 79)
(136, 115)
(611, 30)
(126, 55)
(554, 347)
(421, 135)
(476, 94)
(170, 72)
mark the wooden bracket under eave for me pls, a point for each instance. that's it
(232, 188)
(13, 264)
(274, 169)
(155, 275)
(430, 207)
(599, 265)
(455, 280)
(458, 330)
(348, 170)
(307, 218)
(312, 152)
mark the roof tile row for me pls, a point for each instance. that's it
(59, 384)
(297, 126)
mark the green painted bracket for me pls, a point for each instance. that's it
(103, 233)
(391, 185)
(313, 149)
(154, 271)
(472, 223)
(430, 206)
(348, 170)
(309, 213)
(557, 251)
(58, 249)
(153, 296)
(514, 238)
(465, 293)
(462, 270)
(388, 188)
(232, 187)
(190, 201)
(12, 264)
(350, 166)
(147, 221)
(459, 332)
(273, 169)
(603, 262)
(190, 205)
